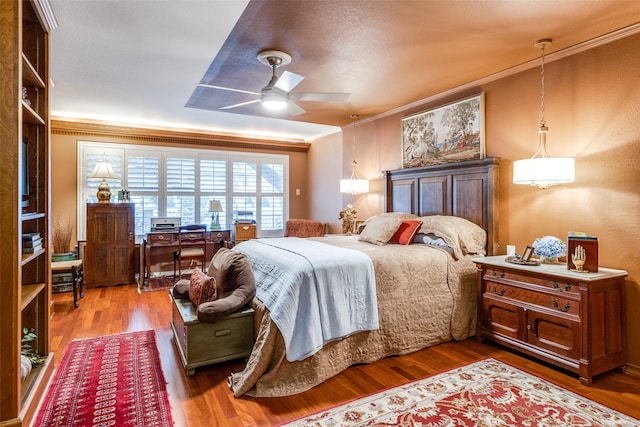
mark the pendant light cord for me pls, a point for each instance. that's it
(542, 121)
(354, 117)
(543, 129)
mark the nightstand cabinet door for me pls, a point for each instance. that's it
(558, 334)
(573, 320)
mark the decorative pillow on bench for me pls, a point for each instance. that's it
(202, 288)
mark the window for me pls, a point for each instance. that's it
(165, 181)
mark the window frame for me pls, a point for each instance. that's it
(124, 151)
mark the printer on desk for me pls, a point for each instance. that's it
(165, 224)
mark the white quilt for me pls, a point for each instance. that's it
(316, 293)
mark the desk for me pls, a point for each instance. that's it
(77, 277)
(161, 245)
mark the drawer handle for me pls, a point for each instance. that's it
(223, 333)
(161, 237)
(564, 309)
(555, 285)
(567, 287)
(219, 235)
(502, 274)
(495, 291)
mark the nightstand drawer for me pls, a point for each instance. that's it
(559, 285)
(531, 297)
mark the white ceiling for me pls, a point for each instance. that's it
(139, 62)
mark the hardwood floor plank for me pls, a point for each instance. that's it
(204, 400)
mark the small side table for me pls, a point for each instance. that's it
(74, 267)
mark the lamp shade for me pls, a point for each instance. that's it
(354, 186)
(103, 170)
(215, 206)
(543, 172)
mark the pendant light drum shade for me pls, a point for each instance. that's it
(544, 172)
(354, 184)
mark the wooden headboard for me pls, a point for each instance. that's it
(465, 189)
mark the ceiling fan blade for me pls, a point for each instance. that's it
(321, 96)
(228, 107)
(288, 81)
(294, 109)
(229, 89)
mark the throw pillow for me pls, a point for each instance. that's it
(202, 288)
(380, 229)
(406, 231)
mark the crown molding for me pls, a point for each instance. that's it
(173, 136)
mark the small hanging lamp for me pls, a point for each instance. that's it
(542, 170)
(354, 184)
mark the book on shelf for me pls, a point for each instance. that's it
(590, 246)
(28, 237)
(32, 243)
(32, 249)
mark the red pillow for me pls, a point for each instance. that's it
(202, 288)
(404, 234)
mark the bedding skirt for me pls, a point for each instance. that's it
(425, 297)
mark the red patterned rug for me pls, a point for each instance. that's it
(158, 283)
(115, 380)
(485, 393)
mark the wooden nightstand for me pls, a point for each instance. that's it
(573, 320)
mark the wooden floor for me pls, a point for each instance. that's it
(205, 400)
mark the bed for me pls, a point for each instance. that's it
(425, 294)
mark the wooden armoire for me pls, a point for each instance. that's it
(109, 254)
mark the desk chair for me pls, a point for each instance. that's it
(192, 241)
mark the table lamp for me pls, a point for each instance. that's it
(104, 171)
(215, 207)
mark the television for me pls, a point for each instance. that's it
(24, 171)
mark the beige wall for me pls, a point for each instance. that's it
(64, 173)
(593, 113)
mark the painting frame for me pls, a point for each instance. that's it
(450, 133)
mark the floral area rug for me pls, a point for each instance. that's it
(485, 393)
(115, 380)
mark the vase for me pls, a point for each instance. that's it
(549, 260)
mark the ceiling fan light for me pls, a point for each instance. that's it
(274, 103)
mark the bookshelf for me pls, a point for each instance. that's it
(24, 205)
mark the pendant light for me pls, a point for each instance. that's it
(542, 170)
(354, 184)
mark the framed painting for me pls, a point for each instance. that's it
(451, 133)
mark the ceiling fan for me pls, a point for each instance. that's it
(276, 95)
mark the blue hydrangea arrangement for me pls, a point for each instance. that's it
(549, 247)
